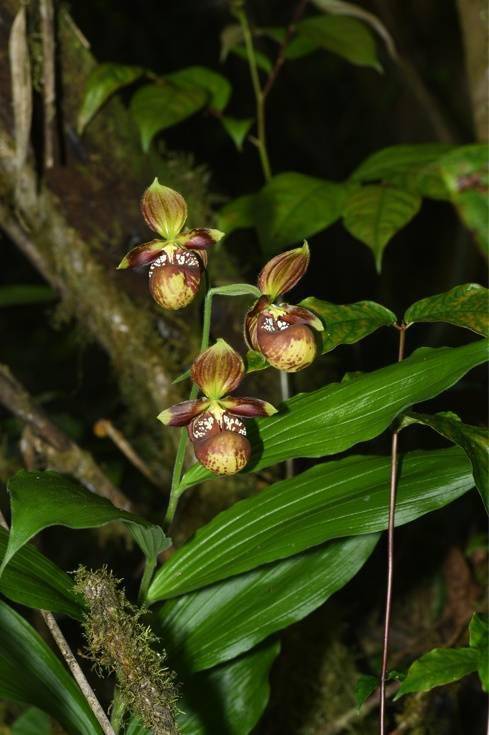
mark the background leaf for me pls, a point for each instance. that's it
(473, 439)
(32, 722)
(33, 580)
(346, 37)
(214, 84)
(464, 306)
(338, 416)
(348, 323)
(340, 7)
(237, 214)
(30, 673)
(21, 294)
(159, 106)
(339, 498)
(414, 168)
(292, 206)
(466, 174)
(42, 499)
(237, 128)
(437, 667)
(364, 687)
(103, 81)
(374, 214)
(479, 639)
(212, 625)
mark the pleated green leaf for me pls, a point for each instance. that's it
(348, 323)
(30, 673)
(338, 416)
(229, 700)
(465, 306)
(339, 498)
(42, 499)
(219, 622)
(374, 214)
(473, 439)
(33, 580)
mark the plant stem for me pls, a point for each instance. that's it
(118, 709)
(259, 95)
(390, 549)
(175, 491)
(279, 61)
(149, 568)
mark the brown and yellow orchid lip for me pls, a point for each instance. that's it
(218, 370)
(284, 335)
(142, 255)
(174, 277)
(247, 407)
(219, 442)
(181, 414)
(164, 210)
(251, 320)
(284, 271)
(200, 238)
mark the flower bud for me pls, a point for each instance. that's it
(164, 210)
(283, 272)
(220, 442)
(174, 277)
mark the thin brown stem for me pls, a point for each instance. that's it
(279, 61)
(105, 428)
(390, 550)
(48, 80)
(77, 672)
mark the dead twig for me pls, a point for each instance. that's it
(49, 80)
(105, 428)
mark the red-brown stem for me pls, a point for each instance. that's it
(299, 11)
(390, 549)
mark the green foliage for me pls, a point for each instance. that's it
(374, 214)
(33, 580)
(346, 37)
(348, 323)
(364, 687)
(237, 214)
(473, 439)
(465, 306)
(437, 667)
(293, 206)
(479, 639)
(331, 500)
(340, 415)
(466, 174)
(32, 722)
(30, 673)
(159, 106)
(211, 625)
(104, 80)
(19, 295)
(411, 167)
(237, 129)
(42, 499)
(215, 85)
(235, 693)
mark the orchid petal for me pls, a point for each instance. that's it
(164, 210)
(218, 370)
(183, 413)
(247, 407)
(142, 255)
(282, 272)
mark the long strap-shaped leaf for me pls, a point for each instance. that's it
(209, 626)
(337, 417)
(332, 500)
(30, 673)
